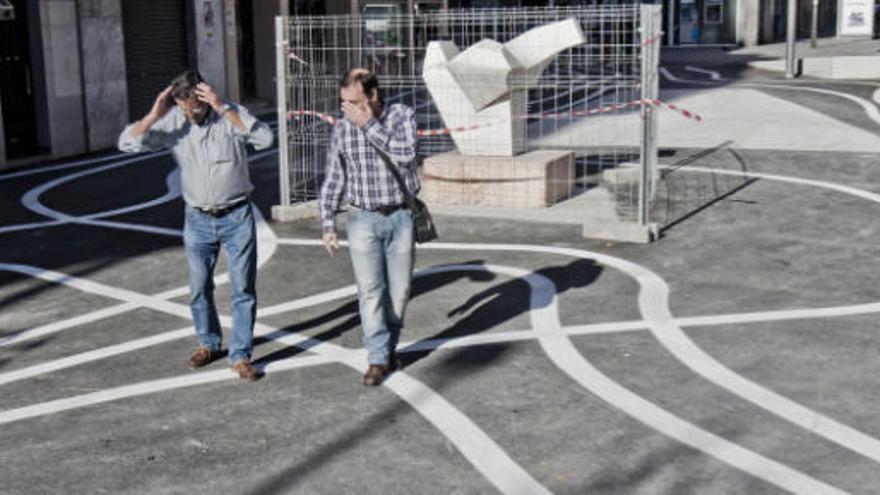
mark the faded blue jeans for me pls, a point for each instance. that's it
(381, 250)
(203, 235)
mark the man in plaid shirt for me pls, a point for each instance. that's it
(379, 224)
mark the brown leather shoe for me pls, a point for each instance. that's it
(203, 356)
(375, 375)
(246, 370)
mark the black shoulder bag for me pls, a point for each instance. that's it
(423, 224)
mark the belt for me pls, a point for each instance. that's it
(222, 210)
(386, 210)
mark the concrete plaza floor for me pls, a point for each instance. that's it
(737, 354)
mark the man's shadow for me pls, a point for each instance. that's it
(349, 311)
(505, 301)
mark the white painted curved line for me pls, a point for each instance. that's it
(508, 248)
(90, 161)
(852, 191)
(653, 304)
(870, 110)
(549, 311)
(94, 355)
(302, 303)
(715, 76)
(31, 201)
(876, 96)
(685, 350)
(473, 443)
(567, 358)
(78, 163)
(57, 326)
(779, 315)
(31, 198)
(672, 77)
(266, 245)
(30, 226)
(486, 456)
(811, 415)
(172, 186)
(695, 358)
(144, 388)
(100, 289)
(544, 315)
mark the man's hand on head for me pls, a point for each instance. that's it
(356, 114)
(206, 94)
(163, 104)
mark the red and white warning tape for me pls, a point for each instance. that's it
(653, 39)
(620, 106)
(323, 116)
(672, 106)
(549, 115)
(293, 56)
(421, 132)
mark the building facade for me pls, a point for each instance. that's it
(74, 72)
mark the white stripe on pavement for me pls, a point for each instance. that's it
(715, 76)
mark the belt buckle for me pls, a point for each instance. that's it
(388, 209)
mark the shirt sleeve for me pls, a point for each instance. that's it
(398, 140)
(157, 137)
(334, 182)
(257, 133)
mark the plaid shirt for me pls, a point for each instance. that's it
(362, 175)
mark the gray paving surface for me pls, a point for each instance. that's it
(772, 247)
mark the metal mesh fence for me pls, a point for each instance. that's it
(586, 100)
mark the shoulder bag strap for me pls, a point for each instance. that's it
(407, 196)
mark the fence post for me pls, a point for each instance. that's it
(281, 47)
(648, 92)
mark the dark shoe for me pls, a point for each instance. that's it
(203, 356)
(246, 370)
(374, 375)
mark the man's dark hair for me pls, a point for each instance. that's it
(367, 79)
(183, 86)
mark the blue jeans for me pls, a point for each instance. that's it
(381, 250)
(203, 235)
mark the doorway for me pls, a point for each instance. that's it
(17, 93)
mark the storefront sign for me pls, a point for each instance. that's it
(857, 18)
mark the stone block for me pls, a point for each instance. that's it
(532, 180)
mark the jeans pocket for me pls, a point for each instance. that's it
(241, 214)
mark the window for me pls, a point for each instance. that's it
(713, 13)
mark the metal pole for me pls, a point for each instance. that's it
(281, 43)
(647, 31)
(411, 34)
(814, 24)
(790, 34)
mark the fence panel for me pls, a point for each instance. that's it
(587, 99)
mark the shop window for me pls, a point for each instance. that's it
(713, 13)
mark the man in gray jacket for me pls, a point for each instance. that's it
(207, 137)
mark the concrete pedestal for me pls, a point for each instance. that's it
(531, 180)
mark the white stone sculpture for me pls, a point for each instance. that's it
(485, 85)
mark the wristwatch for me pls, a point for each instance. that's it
(225, 108)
